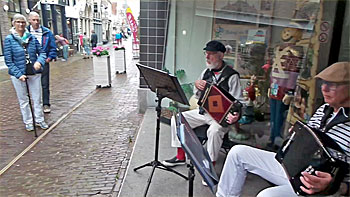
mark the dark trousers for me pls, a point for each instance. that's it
(45, 84)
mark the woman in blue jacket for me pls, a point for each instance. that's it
(24, 58)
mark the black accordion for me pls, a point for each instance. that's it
(309, 150)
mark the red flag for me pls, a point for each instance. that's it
(132, 23)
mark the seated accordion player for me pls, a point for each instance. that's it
(309, 150)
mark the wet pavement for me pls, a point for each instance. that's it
(87, 150)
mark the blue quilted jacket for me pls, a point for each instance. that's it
(48, 43)
(15, 56)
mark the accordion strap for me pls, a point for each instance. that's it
(339, 155)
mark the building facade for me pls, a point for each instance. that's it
(70, 17)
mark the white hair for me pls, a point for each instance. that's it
(17, 17)
(32, 13)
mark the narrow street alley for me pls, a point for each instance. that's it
(90, 139)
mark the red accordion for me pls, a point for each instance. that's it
(218, 103)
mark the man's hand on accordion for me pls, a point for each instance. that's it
(200, 84)
(315, 183)
(232, 118)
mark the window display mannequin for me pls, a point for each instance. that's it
(284, 73)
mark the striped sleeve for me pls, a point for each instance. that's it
(341, 135)
(315, 120)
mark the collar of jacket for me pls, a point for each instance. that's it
(43, 29)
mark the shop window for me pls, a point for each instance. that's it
(271, 33)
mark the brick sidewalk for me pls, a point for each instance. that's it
(88, 151)
(70, 82)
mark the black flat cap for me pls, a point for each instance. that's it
(215, 45)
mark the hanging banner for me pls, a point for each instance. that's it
(132, 23)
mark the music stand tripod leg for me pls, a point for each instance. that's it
(142, 166)
(171, 170)
(155, 163)
(149, 180)
(190, 178)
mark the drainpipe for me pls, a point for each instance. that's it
(54, 19)
(44, 15)
(64, 21)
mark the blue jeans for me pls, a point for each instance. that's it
(277, 109)
(87, 50)
(45, 84)
(65, 52)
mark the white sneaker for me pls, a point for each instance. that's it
(42, 125)
(29, 127)
(46, 109)
(204, 183)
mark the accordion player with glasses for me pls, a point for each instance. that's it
(309, 150)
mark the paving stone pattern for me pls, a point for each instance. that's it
(70, 82)
(87, 153)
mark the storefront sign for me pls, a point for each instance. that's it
(132, 23)
(324, 26)
(323, 37)
(256, 36)
(231, 32)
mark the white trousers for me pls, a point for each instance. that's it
(215, 131)
(34, 83)
(242, 159)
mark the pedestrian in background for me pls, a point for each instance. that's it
(86, 45)
(118, 38)
(63, 42)
(93, 39)
(25, 58)
(47, 41)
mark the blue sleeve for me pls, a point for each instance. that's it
(41, 53)
(52, 47)
(12, 68)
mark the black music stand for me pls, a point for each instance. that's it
(164, 85)
(198, 155)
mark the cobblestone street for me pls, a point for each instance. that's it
(86, 153)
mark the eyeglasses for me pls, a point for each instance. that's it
(209, 53)
(20, 22)
(332, 86)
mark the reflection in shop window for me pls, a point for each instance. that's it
(14, 6)
(270, 39)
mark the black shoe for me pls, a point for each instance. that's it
(272, 147)
(173, 162)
